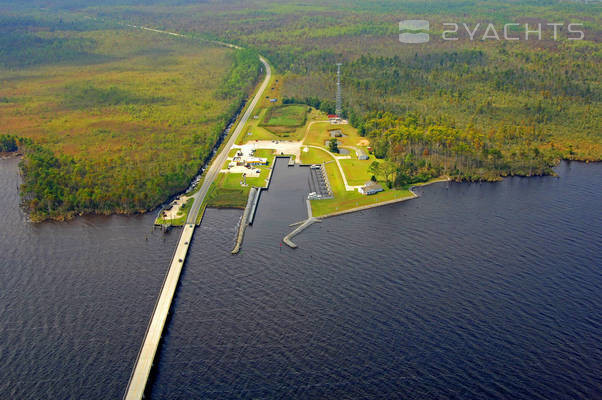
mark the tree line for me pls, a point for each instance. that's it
(59, 186)
(8, 143)
(413, 148)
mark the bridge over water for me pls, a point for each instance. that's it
(152, 337)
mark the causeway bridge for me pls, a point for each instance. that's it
(154, 330)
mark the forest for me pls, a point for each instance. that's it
(416, 149)
(120, 126)
(8, 144)
(470, 109)
(552, 85)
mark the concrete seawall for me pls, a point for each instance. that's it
(412, 195)
(302, 225)
(308, 222)
(244, 221)
(254, 206)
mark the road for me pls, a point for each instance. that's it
(348, 187)
(215, 167)
(152, 337)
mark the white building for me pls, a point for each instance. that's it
(370, 188)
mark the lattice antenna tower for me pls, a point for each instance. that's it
(339, 108)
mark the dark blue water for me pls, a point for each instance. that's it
(75, 299)
(470, 292)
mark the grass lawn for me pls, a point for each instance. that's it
(227, 192)
(319, 132)
(344, 200)
(291, 115)
(356, 171)
(314, 156)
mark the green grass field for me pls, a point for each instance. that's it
(315, 156)
(344, 200)
(293, 115)
(356, 171)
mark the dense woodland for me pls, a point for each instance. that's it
(416, 149)
(8, 144)
(468, 109)
(552, 85)
(120, 126)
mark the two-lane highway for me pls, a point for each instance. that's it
(146, 355)
(219, 161)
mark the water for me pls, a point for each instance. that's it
(75, 299)
(470, 292)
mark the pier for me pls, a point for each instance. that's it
(244, 221)
(302, 225)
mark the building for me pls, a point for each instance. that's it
(370, 188)
(256, 161)
(361, 155)
(334, 119)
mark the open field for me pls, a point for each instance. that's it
(314, 156)
(255, 131)
(292, 115)
(356, 171)
(319, 132)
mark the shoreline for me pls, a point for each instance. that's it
(413, 195)
(304, 224)
(99, 213)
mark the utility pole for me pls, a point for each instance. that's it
(339, 108)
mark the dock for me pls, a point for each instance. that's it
(244, 221)
(301, 226)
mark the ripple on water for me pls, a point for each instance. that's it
(472, 291)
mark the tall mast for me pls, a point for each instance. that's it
(339, 108)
